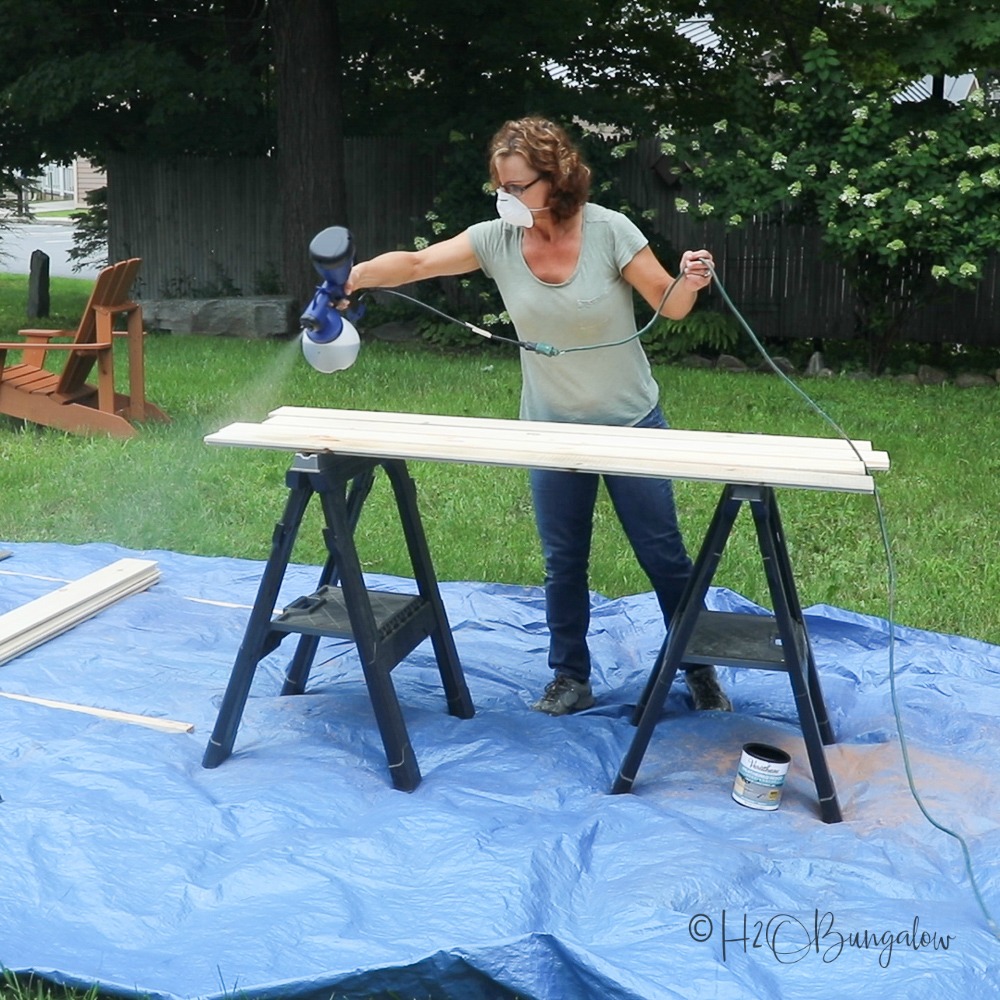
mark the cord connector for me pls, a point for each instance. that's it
(547, 349)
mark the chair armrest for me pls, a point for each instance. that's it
(45, 334)
(55, 347)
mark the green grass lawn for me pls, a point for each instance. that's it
(167, 489)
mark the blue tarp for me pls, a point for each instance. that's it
(295, 870)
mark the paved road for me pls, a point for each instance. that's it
(19, 239)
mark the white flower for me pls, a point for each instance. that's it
(681, 205)
(912, 206)
(778, 161)
(721, 125)
(976, 152)
(937, 201)
(855, 234)
(895, 245)
(706, 208)
(967, 270)
(990, 178)
(869, 200)
(811, 170)
(965, 183)
(795, 188)
(849, 195)
(860, 114)
(421, 242)
(735, 220)
(938, 271)
(835, 167)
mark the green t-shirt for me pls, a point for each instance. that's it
(607, 385)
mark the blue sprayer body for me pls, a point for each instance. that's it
(332, 253)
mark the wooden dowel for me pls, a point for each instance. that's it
(150, 722)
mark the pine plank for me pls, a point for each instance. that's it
(584, 452)
(40, 620)
(320, 417)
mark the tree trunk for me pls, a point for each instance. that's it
(310, 151)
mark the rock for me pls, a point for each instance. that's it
(727, 363)
(909, 378)
(38, 285)
(815, 365)
(972, 380)
(929, 375)
(782, 364)
(250, 318)
(695, 361)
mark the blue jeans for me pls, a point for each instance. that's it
(564, 515)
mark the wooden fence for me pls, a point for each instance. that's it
(780, 279)
(210, 228)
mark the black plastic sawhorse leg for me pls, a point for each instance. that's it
(767, 642)
(385, 626)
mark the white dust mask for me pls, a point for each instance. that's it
(513, 210)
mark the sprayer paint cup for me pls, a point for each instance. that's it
(761, 776)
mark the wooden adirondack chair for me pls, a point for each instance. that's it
(66, 399)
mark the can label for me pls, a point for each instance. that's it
(760, 776)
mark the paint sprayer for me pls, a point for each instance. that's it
(330, 343)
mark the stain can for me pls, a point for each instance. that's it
(761, 776)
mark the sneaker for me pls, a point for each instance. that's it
(707, 694)
(564, 696)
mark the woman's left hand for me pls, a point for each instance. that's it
(697, 267)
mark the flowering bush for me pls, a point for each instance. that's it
(907, 196)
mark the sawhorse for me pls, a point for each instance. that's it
(766, 642)
(385, 626)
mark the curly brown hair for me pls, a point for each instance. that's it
(550, 151)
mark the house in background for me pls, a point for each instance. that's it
(70, 182)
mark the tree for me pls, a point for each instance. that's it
(79, 78)
(907, 196)
(310, 138)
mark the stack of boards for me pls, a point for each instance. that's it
(42, 619)
(48, 616)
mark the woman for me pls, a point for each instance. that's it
(566, 269)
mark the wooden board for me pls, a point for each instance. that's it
(752, 459)
(38, 621)
(652, 437)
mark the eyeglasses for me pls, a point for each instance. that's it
(518, 189)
